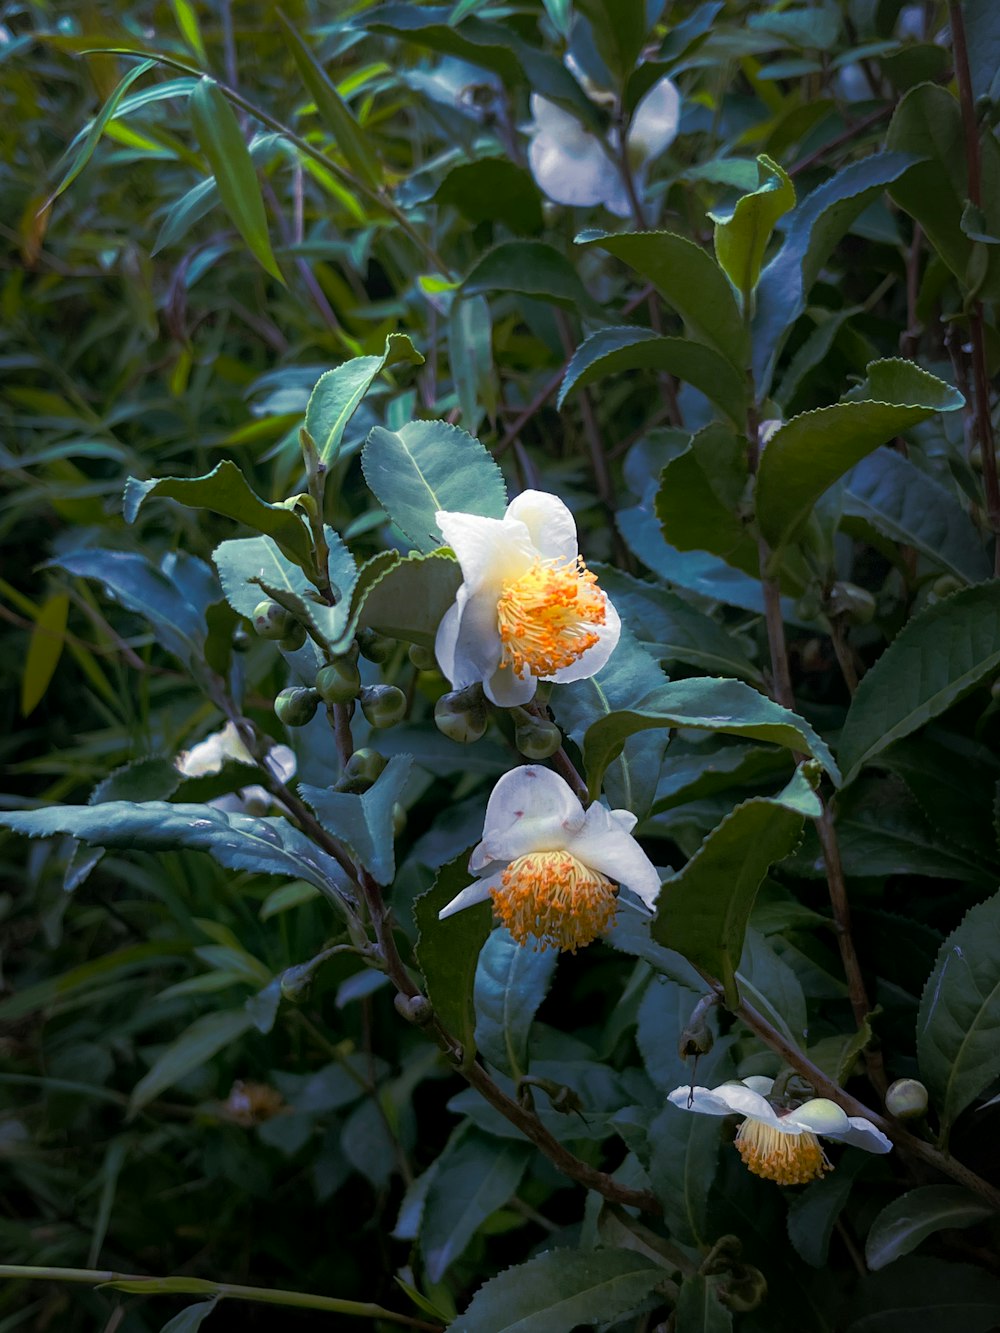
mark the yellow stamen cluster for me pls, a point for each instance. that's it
(789, 1159)
(543, 616)
(556, 900)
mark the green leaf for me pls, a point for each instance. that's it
(727, 706)
(531, 268)
(96, 972)
(615, 350)
(742, 237)
(470, 353)
(245, 558)
(910, 1219)
(690, 282)
(191, 1319)
(222, 142)
(928, 1294)
(673, 629)
(447, 951)
(338, 393)
(493, 190)
(560, 1289)
(813, 1213)
(472, 1178)
(426, 466)
(814, 229)
(364, 822)
(772, 987)
(982, 34)
(958, 1026)
(699, 496)
(85, 152)
(908, 506)
(355, 145)
(936, 658)
(151, 778)
(226, 491)
(703, 910)
(205, 1038)
(511, 982)
(270, 846)
(806, 455)
(631, 779)
(48, 634)
(699, 1309)
(619, 28)
(409, 601)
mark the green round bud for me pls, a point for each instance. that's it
(460, 720)
(383, 705)
(339, 681)
(537, 739)
(422, 658)
(946, 584)
(376, 647)
(294, 639)
(365, 765)
(295, 982)
(906, 1099)
(847, 599)
(272, 621)
(296, 706)
(398, 819)
(241, 639)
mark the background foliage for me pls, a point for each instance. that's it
(183, 260)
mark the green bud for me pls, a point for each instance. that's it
(295, 981)
(272, 621)
(847, 599)
(383, 705)
(366, 764)
(398, 819)
(415, 1008)
(744, 1289)
(241, 639)
(460, 717)
(294, 639)
(422, 658)
(376, 647)
(535, 738)
(906, 1099)
(296, 706)
(946, 584)
(338, 682)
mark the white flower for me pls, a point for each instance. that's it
(210, 756)
(528, 607)
(551, 867)
(573, 166)
(777, 1144)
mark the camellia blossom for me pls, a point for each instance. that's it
(573, 166)
(551, 867)
(528, 607)
(210, 755)
(777, 1144)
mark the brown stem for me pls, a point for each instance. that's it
(909, 340)
(852, 130)
(963, 77)
(845, 656)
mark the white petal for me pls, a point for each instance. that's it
(551, 526)
(861, 1133)
(727, 1099)
(604, 845)
(447, 638)
(616, 199)
(281, 762)
(550, 116)
(477, 647)
(209, 755)
(489, 550)
(759, 1083)
(625, 819)
(570, 170)
(821, 1116)
(589, 663)
(508, 690)
(655, 122)
(530, 809)
(475, 893)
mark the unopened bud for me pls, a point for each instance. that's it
(339, 681)
(461, 717)
(294, 639)
(272, 621)
(946, 584)
(376, 647)
(295, 982)
(415, 1008)
(383, 705)
(847, 599)
(906, 1099)
(744, 1289)
(296, 706)
(535, 738)
(698, 1037)
(241, 639)
(398, 819)
(422, 658)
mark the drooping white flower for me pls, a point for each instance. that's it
(573, 166)
(210, 755)
(551, 867)
(777, 1144)
(528, 608)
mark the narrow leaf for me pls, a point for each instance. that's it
(903, 1224)
(448, 950)
(48, 635)
(205, 1038)
(742, 237)
(511, 982)
(364, 823)
(339, 392)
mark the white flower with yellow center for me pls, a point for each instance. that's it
(573, 166)
(210, 755)
(528, 607)
(777, 1144)
(552, 868)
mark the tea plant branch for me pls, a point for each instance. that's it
(194, 1286)
(980, 370)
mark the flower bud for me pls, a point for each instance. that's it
(906, 1099)
(294, 639)
(383, 705)
(535, 738)
(376, 647)
(414, 1008)
(296, 706)
(744, 1289)
(272, 621)
(295, 981)
(460, 719)
(847, 599)
(398, 819)
(366, 764)
(241, 639)
(422, 658)
(339, 681)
